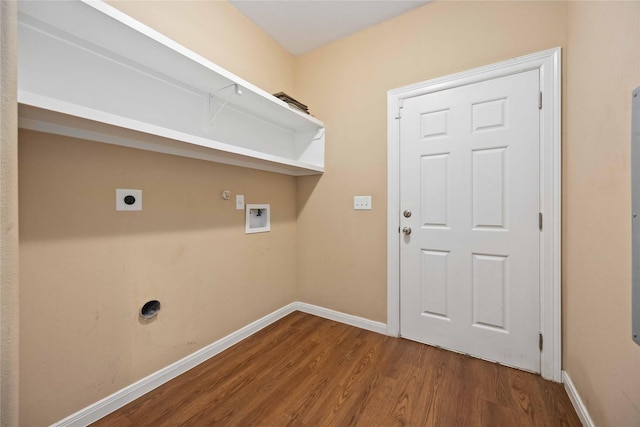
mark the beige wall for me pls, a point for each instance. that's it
(343, 267)
(219, 32)
(342, 252)
(86, 269)
(602, 68)
(9, 331)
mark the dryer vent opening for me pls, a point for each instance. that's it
(150, 309)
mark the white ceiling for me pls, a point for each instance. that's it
(301, 26)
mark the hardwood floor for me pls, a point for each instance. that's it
(308, 371)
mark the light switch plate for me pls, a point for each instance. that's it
(362, 203)
(240, 202)
(128, 200)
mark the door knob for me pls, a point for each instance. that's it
(406, 231)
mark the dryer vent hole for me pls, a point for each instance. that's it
(150, 309)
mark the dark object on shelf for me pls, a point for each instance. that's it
(292, 102)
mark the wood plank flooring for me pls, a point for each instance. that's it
(307, 371)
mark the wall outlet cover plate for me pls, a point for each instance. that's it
(128, 199)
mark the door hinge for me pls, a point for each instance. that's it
(399, 113)
(540, 221)
(539, 100)
(540, 342)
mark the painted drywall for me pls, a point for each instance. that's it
(219, 32)
(602, 68)
(342, 252)
(9, 331)
(86, 269)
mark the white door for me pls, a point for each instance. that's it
(469, 179)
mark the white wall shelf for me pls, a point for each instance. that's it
(89, 71)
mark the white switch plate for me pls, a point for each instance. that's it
(240, 202)
(362, 203)
(121, 196)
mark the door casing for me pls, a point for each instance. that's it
(548, 62)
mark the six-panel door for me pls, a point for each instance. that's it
(470, 176)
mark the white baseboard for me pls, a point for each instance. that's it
(130, 393)
(577, 402)
(348, 319)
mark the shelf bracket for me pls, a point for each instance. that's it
(213, 101)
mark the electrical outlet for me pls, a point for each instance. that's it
(362, 203)
(240, 202)
(128, 200)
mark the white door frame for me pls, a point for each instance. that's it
(549, 65)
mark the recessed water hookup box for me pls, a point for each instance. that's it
(258, 218)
